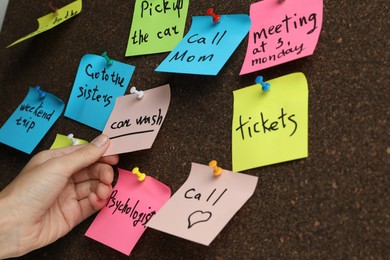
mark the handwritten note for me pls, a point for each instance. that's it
(31, 120)
(207, 46)
(64, 141)
(158, 26)
(134, 123)
(270, 127)
(130, 207)
(3, 9)
(205, 203)
(95, 89)
(53, 19)
(282, 32)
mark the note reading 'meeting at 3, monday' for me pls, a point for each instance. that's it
(282, 31)
(270, 126)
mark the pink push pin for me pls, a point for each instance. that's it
(216, 17)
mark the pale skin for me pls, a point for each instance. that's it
(55, 191)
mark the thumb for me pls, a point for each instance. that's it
(83, 157)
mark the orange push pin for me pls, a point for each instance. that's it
(141, 176)
(217, 169)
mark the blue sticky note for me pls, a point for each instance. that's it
(31, 120)
(95, 89)
(208, 45)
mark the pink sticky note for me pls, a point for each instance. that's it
(205, 203)
(281, 32)
(131, 205)
(135, 122)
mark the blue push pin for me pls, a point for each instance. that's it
(41, 93)
(109, 61)
(264, 85)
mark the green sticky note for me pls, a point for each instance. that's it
(64, 141)
(158, 26)
(272, 126)
(53, 19)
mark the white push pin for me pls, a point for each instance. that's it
(74, 141)
(140, 93)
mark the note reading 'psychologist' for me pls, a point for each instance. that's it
(31, 120)
(131, 205)
(134, 123)
(270, 127)
(95, 89)
(205, 203)
(53, 19)
(158, 26)
(207, 46)
(282, 32)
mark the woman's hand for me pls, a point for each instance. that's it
(55, 191)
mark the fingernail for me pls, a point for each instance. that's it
(100, 141)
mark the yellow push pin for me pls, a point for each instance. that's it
(141, 176)
(217, 169)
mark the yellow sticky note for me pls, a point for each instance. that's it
(63, 141)
(53, 19)
(272, 126)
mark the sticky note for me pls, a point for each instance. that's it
(53, 19)
(134, 123)
(95, 89)
(3, 9)
(158, 26)
(31, 120)
(207, 46)
(282, 32)
(131, 205)
(270, 127)
(204, 204)
(64, 141)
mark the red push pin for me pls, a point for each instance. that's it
(216, 17)
(52, 7)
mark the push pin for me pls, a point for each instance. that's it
(52, 7)
(264, 85)
(42, 94)
(216, 17)
(217, 169)
(140, 93)
(74, 141)
(141, 176)
(109, 61)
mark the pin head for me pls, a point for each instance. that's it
(216, 17)
(217, 169)
(264, 85)
(74, 141)
(141, 176)
(42, 94)
(109, 61)
(140, 93)
(52, 7)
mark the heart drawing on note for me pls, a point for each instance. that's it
(198, 217)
